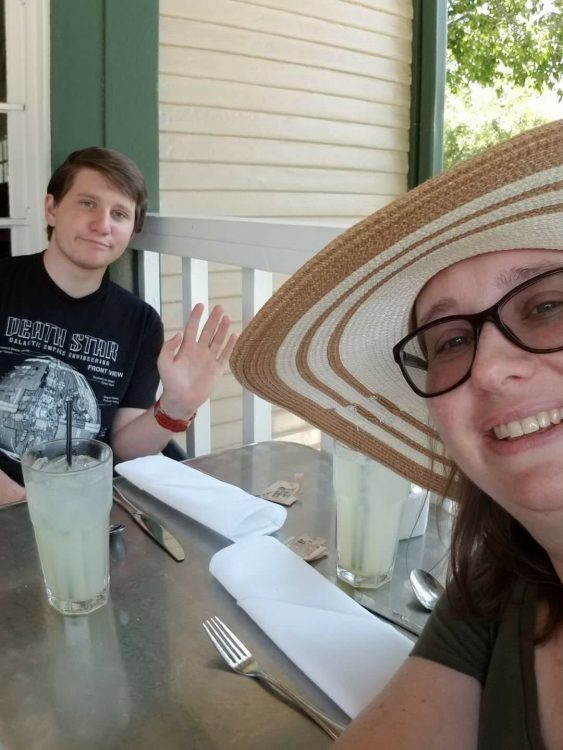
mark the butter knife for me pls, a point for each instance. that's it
(151, 526)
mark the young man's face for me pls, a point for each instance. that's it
(92, 224)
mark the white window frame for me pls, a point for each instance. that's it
(28, 110)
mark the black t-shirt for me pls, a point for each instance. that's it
(99, 350)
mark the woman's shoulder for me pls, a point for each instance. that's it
(465, 640)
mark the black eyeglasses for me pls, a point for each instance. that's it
(438, 356)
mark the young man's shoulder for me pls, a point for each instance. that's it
(19, 261)
(124, 300)
(122, 294)
(14, 267)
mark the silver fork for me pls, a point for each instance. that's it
(239, 658)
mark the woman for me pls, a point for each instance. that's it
(458, 286)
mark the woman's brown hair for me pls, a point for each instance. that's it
(490, 550)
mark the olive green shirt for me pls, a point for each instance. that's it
(500, 655)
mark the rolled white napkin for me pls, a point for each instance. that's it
(226, 509)
(348, 652)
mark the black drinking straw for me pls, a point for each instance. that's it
(69, 432)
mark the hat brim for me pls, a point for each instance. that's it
(321, 347)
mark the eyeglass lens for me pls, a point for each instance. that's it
(440, 356)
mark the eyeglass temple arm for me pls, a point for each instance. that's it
(413, 361)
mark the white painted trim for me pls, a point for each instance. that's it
(28, 111)
(16, 79)
(195, 285)
(22, 222)
(150, 279)
(257, 288)
(38, 56)
(259, 244)
(198, 439)
(195, 288)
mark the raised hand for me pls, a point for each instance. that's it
(189, 367)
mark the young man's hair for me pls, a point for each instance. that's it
(117, 168)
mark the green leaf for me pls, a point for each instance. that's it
(503, 42)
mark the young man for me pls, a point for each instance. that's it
(68, 333)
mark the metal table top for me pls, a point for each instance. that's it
(140, 672)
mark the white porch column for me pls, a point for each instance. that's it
(256, 413)
(195, 288)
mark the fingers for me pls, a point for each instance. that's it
(220, 334)
(169, 347)
(192, 326)
(212, 325)
(225, 355)
(213, 333)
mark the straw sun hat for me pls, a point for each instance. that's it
(321, 346)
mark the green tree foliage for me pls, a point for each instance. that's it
(478, 118)
(502, 55)
(505, 42)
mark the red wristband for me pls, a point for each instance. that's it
(168, 422)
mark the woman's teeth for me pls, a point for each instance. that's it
(528, 425)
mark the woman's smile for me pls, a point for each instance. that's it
(527, 425)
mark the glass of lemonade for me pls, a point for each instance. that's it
(369, 503)
(69, 508)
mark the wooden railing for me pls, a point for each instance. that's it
(260, 248)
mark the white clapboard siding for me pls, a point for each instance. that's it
(226, 434)
(227, 122)
(225, 282)
(289, 110)
(373, 34)
(390, 18)
(303, 55)
(228, 387)
(273, 74)
(227, 409)
(245, 178)
(181, 150)
(170, 265)
(238, 96)
(276, 204)
(286, 423)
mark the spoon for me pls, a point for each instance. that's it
(426, 588)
